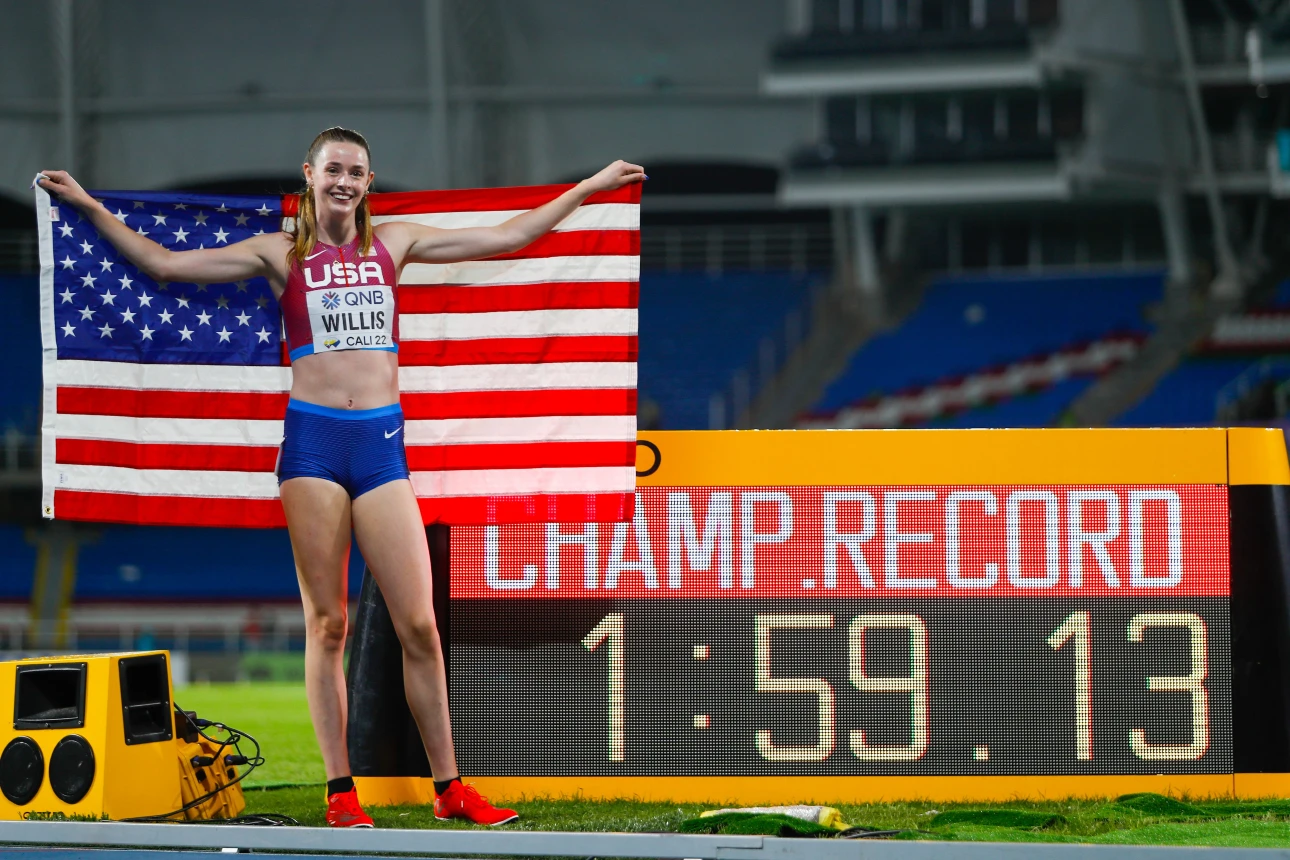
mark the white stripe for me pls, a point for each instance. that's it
(534, 270)
(211, 377)
(48, 351)
(173, 377)
(519, 377)
(168, 482)
(594, 216)
(558, 428)
(507, 482)
(543, 323)
(178, 431)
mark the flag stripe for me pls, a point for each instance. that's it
(527, 271)
(222, 378)
(603, 216)
(530, 350)
(478, 199)
(533, 455)
(200, 404)
(517, 324)
(135, 455)
(526, 297)
(579, 243)
(515, 482)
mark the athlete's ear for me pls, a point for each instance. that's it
(371, 177)
(308, 170)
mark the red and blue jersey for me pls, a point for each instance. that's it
(337, 300)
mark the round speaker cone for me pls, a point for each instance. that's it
(71, 768)
(22, 768)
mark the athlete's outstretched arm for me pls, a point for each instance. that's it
(436, 245)
(246, 259)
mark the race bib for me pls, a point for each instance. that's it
(351, 318)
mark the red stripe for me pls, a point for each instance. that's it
(580, 243)
(539, 508)
(528, 350)
(171, 404)
(588, 295)
(267, 513)
(533, 455)
(272, 407)
(519, 404)
(168, 510)
(138, 455)
(475, 199)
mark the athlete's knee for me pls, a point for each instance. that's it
(328, 628)
(420, 636)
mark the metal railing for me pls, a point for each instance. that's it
(1234, 393)
(728, 408)
(717, 248)
(18, 251)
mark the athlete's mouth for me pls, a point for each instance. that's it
(339, 195)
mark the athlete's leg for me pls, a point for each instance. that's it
(318, 520)
(387, 524)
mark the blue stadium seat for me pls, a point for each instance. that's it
(966, 325)
(129, 563)
(697, 330)
(1186, 395)
(17, 565)
(1037, 409)
(20, 352)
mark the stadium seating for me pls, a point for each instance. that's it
(967, 325)
(138, 563)
(1186, 395)
(20, 350)
(697, 330)
(1037, 409)
(17, 564)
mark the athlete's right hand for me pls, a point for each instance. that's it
(60, 182)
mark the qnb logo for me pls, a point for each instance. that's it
(345, 274)
(331, 301)
(331, 342)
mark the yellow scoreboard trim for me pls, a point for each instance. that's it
(757, 790)
(824, 458)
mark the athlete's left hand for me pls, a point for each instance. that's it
(614, 176)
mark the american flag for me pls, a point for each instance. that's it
(163, 402)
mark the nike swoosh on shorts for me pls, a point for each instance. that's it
(390, 435)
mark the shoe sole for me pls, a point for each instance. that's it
(350, 826)
(494, 824)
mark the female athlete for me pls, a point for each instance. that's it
(342, 462)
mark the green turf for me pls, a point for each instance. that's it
(291, 783)
(276, 714)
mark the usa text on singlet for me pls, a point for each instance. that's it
(338, 300)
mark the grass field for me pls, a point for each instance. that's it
(291, 783)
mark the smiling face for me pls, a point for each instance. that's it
(340, 175)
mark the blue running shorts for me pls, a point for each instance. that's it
(358, 449)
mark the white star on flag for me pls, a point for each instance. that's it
(107, 265)
(203, 318)
(66, 295)
(224, 334)
(86, 247)
(145, 300)
(160, 219)
(183, 300)
(165, 316)
(109, 297)
(88, 280)
(146, 333)
(127, 315)
(65, 229)
(120, 216)
(106, 331)
(185, 334)
(68, 330)
(68, 263)
(181, 235)
(220, 236)
(126, 282)
(86, 313)
(243, 318)
(263, 334)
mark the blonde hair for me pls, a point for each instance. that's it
(306, 232)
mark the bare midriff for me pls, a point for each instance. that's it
(353, 379)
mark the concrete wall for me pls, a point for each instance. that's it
(540, 89)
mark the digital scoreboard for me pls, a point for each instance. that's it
(860, 604)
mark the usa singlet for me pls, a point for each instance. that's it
(337, 300)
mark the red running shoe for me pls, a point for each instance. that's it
(463, 801)
(343, 810)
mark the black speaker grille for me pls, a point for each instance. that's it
(71, 768)
(22, 769)
(145, 699)
(49, 696)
